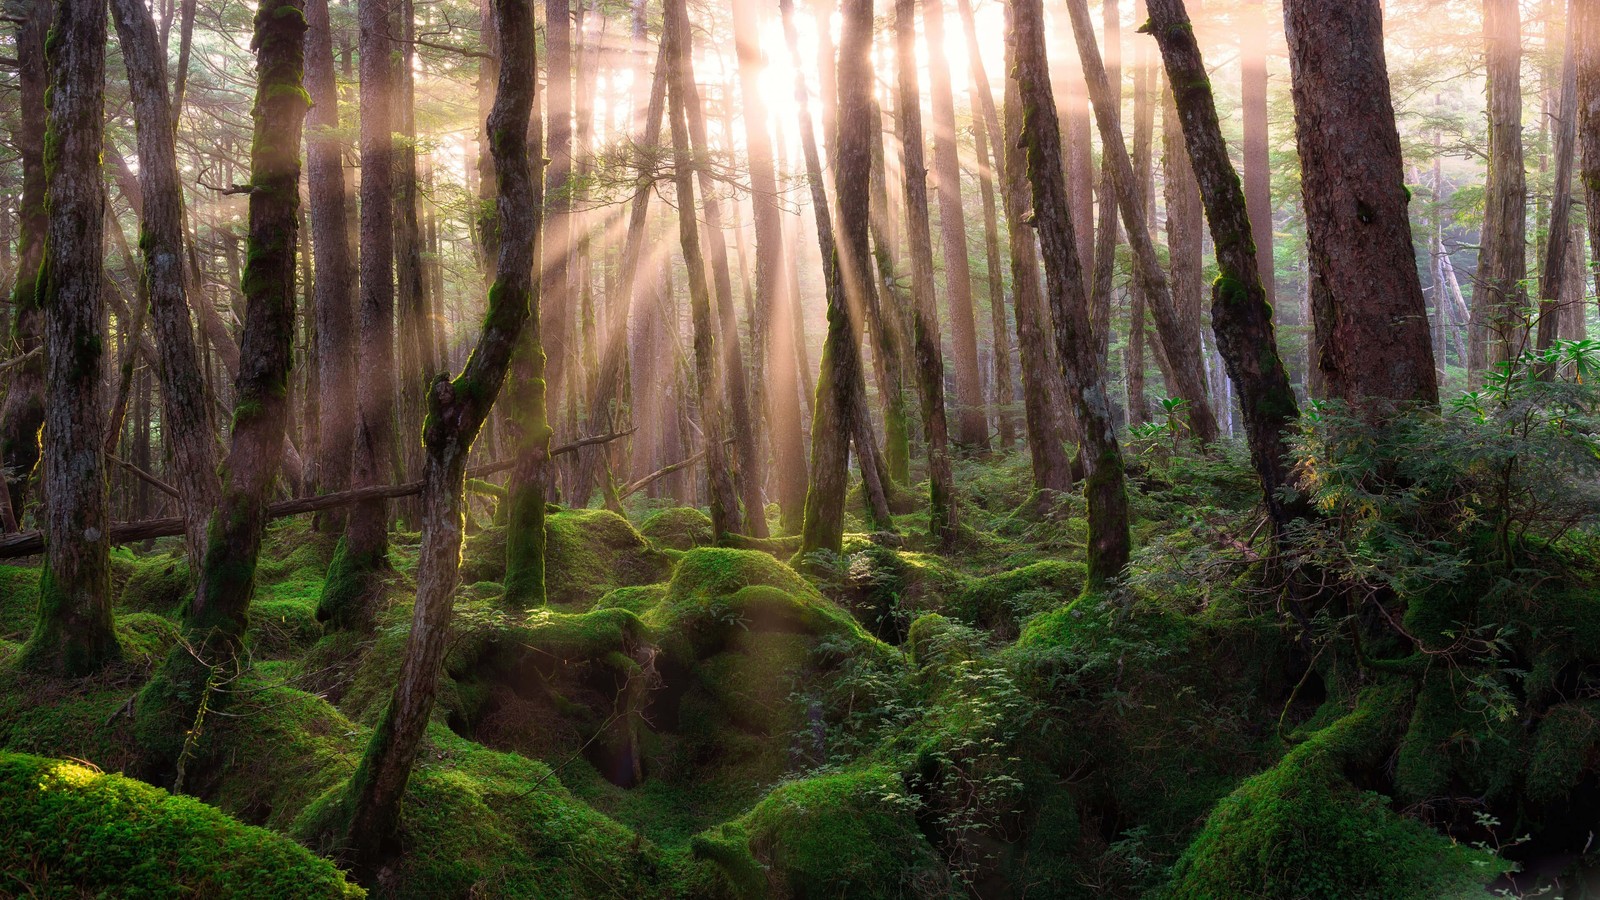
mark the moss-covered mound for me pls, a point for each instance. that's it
(1302, 829)
(678, 528)
(845, 834)
(999, 602)
(587, 553)
(72, 831)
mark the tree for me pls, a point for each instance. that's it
(1586, 33)
(1553, 277)
(330, 246)
(1104, 483)
(1240, 314)
(23, 412)
(1180, 333)
(925, 316)
(972, 427)
(1498, 301)
(364, 817)
(1366, 296)
(1253, 38)
(73, 633)
(352, 589)
(187, 410)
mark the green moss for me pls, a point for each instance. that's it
(352, 593)
(1302, 829)
(846, 834)
(587, 553)
(1563, 750)
(679, 528)
(19, 601)
(158, 584)
(75, 831)
(1002, 601)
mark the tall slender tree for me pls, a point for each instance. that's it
(1586, 33)
(1105, 482)
(1498, 302)
(1366, 295)
(73, 633)
(1253, 41)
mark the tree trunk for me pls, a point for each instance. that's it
(1253, 43)
(555, 306)
(972, 426)
(1179, 329)
(725, 517)
(351, 591)
(23, 413)
(369, 813)
(942, 513)
(886, 318)
(187, 411)
(1043, 393)
(330, 246)
(1240, 315)
(1553, 279)
(1498, 314)
(1105, 226)
(1104, 486)
(1144, 114)
(1366, 296)
(73, 634)
(1586, 32)
(417, 365)
(986, 133)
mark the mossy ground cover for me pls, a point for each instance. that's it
(686, 720)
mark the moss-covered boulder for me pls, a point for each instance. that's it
(587, 553)
(73, 831)
(1000, 602)
(1303, 829)
(845, 834)
(678, 528)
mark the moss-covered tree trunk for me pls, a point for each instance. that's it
(972, 425)
(334, 279)
(1553, 276)
(1179, 336)
(889, 322)
(1586, 32)
(172, 705)
(352, 590)
(1372, 337)
(724, 495)
(363, 819)
(942, 520)
(23, 412)
(1104, 483)
(1043, 395)
(189, 424)
(73, 634)
(1240, 314)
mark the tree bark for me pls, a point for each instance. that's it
(369, 812)
(1553, 279)
(1366, 296)
(416, 363)
(555, 306)
(1144, 83)
(1179, 330)
(1586, 32)
(1043, 393)
(725, 518)
(73, 633)
(1240, 315)
(1499, 301)
(23, 413)
(1105, 226)
(334, 274)
(1253, 42)
(188, 419)
(1104, 483)
(972, 426)
(943, 521)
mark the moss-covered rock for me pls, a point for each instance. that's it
(1000, 602)
(74, 831)
(587, 553)
(678, 528)
(845, 834)
(1303, 829)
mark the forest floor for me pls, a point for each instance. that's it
(685, 720)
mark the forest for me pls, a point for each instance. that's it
(732, 449)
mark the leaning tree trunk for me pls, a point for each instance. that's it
(972, 426)
(351, 592)
(73, 634)
(1179, 336)
(1366, 295)
(335, 277)
(366, 817)
(1043, 393)
(1240, 314)
(189, 424)
(172, 707)
(23, 412)
(724, 495)
(1104, 482)
(1497, 315)
(925, 315)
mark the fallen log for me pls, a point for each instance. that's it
(30, 543)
